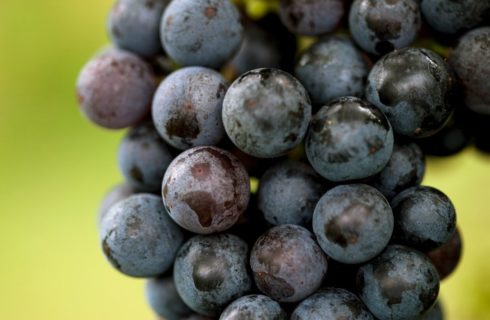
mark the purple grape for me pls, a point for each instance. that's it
(187, 108)
(143, 158)
(115, 89)
(201, 32)
(353, 223)
(211, 271)
(205, 190)
(138, 237)
(287, 263)
(311, 17)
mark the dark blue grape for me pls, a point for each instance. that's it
(201, 32)
(447, 257)
(405, 169)
(353, 223)
(331, 303)
(163, 298)
(332, 68)
(259, 49)
(288, 193)
(379, 26)
(187, 108)
(210, 271)
(287, 263)
(349, 139)
(414, 88)
(139, 238)
(425, 218)
(253, 307)
(115, 89)
(134, 25)
(266, 112)
(467, 60)
(206, 189)
(143, 158)
(453, 16)
(113, 196)
(453, 138)
(311, 17)
(401, 283)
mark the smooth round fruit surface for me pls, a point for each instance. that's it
(414, 87)
(205, 190)
(163, 298)
(349, 139)
(311, 17)
(331, 303)
(187, 107)
(253, 307)
(288, 193)
(400, 283)
(138, 237)
(287, 263)
(405, 169)
(211, 271)
(453, 16)
(425, 218)
(379, 26)
(201, 32)
(143, 158)
(266, 112)
(470, 62)
(115, 89)
(353, 223)
(332, 68)
(134, 25)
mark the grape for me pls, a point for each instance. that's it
(425, 218)
(311, 17)
(164, 299)
(134, 25)
(405, 169)
(259, 49)
(332, 68)
(353, 223)
(414, 88)
(349, 139)
(331, 303)
(446, 257)
(453, 16)
(266, 112)
(187, 107)
(379, 26)
(143, 158)
(452, 138)
(201, 32)
(401, 283)
(115, 89)
(253, 307)
(467, 60)
(113, 196)
(287, 263)
(138, 237)
(211, 271)
(288, 193)
(205, 190)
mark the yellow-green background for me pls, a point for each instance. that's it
(55, 166)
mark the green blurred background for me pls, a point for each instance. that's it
(55, 167)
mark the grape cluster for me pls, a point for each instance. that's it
(263, 182)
